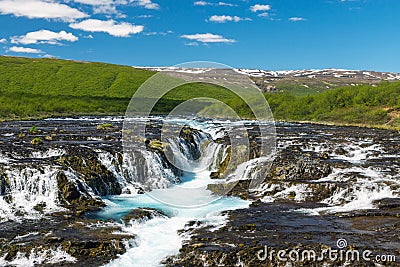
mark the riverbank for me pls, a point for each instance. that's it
(121, 114)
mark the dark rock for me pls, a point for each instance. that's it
(91, 246)
(293, 165)
(280, 227)
(142, 214)
(387, 203)
(96, 175)
(73, 195)
(341, 151)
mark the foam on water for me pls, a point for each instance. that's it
(48, 153)
(28, 188)
(49, 256)
(158, 238)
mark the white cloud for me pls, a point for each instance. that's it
(19, 49)
(123, 29)
(223, 18)
(49, 56)
(148, 4)
(294, 19)
(143, 3)
(3, 40)
(144, 16)
(192, 44)
(158, 33)
(40, 9)
(95, 2)
(264, 14)
(204, 3)
(258, 7)
(207, 38)
(106, 9)
(225, 4)
(44, 36)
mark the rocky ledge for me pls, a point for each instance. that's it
(325, 184)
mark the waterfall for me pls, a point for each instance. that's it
(32, 180)
(25, 190)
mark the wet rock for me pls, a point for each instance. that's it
(96, 175)
(292, 164)
(142, 214)
(387, 203)
(89, 245)
(73, 195)
(107, 127)
(191, 138)
(279, 226)
(341, 151)
(223, 166)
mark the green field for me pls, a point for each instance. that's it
(36, 88)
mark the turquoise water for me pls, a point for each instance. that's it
(158, 238)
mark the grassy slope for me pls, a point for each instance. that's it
(34, 87)
(46, 87)
(361, 105)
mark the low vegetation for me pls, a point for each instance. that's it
(37, 88)
(365, 104)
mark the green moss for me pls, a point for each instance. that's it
(36, 141)
(33, 130)
(105, 126)
(157, 145)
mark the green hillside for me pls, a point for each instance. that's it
(31, 88)
(34, 88)
(365, 104)
(42, 87)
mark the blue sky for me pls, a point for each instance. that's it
(276, 34)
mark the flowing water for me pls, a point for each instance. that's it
(364, 162)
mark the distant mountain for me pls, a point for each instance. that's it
(302, 82)
(324, 73)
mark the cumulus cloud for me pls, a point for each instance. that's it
(109, 7)
(3, 40)
(40, 9)
(294, 19)
(19, 49)
(223, 18)
(44, 36)
(207, 38)
(259, 7)
(123, 29)
(148, 4)
(95, 2)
